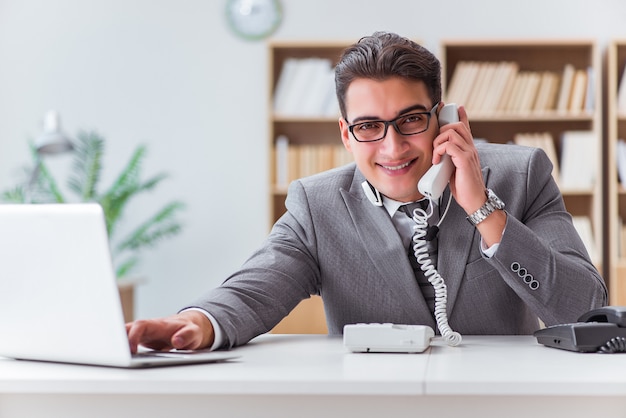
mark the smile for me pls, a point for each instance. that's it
(396, 167)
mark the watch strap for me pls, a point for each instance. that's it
(491, 205)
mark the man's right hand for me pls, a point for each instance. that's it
(189, 330)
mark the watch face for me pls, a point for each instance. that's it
(253, 19)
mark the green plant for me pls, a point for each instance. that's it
(84, 181)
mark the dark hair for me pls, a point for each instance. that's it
(384, 55)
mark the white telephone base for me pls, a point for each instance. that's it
(387, 338)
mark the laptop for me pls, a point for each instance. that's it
(59, 300)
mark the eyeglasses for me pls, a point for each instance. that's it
(375, 130)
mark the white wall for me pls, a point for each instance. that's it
(170, 74)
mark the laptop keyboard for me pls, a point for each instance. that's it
(169, 354)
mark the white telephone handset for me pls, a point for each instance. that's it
(434, 182)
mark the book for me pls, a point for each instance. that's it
(545, 141)
(579, 159)
(297, 90)
(283, 84)
(331, 104)
(281, 160)
(590, 92)
(452, 89)
(621, 161)
(512, 70)
(582, 224)
(341, 156)
(554, 92)
(315, 92)
(294, 161)
(482, 86)
(529, 92)
(517, 91)
(463, 81)
(293, 164)
(621, 94)
(546, 92)
(458, 81)
(326, 157)
(579, 90)
(496, 87)
(622, 237)
(565, 90)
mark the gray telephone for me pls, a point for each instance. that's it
(601, 330)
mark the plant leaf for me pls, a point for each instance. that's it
(114, 200)
(14, 195)
(115, 204)
(128, 265)
(158, 227)
(87, 166)
(47, 189)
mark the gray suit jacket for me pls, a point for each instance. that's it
(332, 241)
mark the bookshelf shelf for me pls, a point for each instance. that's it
(578, 192)
(515, 109)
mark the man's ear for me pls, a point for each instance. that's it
(345, 134)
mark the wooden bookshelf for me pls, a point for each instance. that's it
(493, 124)
(312, 133)
(501, 124)
(314, 141)
(615, 123)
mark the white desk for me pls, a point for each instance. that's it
(313, 376)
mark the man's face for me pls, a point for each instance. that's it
(394, 164)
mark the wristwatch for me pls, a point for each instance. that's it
(492, 204)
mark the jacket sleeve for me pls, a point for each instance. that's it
(541, 255)
(281, 273)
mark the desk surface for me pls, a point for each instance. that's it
(270, 364)
(518, 365)
(504, 369)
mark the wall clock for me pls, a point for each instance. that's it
(254, 19)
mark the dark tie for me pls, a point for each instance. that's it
(427, 289)
(409, 208)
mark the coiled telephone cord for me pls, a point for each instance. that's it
(614, 345)
(420, 217)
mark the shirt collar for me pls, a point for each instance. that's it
(392, 206)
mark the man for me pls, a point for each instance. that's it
(505, 270)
